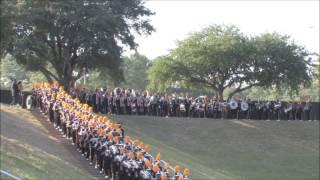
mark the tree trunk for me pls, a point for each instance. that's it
(220, 92)
(67, 82)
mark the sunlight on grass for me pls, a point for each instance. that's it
(175, 156)
(24, 114)
(220, 149)
(33, 163)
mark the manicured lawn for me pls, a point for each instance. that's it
(212, 149)
(29, 150)
(230, 149)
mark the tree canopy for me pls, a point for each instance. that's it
(135, 71)
(73, 35)
(11, 70)
(221, 57)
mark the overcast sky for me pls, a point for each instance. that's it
(174, 20)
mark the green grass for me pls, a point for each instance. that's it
(32, 163)
(229, 149)
(212, 149)
(27, 151)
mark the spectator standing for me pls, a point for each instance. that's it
(20, 93)
(14, 92)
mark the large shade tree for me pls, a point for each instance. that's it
(72, 35)
(221, 57)
(135, 71)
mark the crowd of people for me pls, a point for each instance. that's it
(99, 139)
(133, 102)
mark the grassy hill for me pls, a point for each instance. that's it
(32, 149)
(212, 149)
(231, 149)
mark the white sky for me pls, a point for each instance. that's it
(175, 19)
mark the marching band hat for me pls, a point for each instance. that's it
(141, 145)
(127, 139)
(177, 169)
(110, 136)
(136, 142)
(167, 166)
(147, 163)
(147, 149)
(158, 157)
(155, 168)
(131, 155)
(139, 155)
(186, 172)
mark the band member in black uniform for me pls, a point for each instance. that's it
(153, 104)
(111, 108)
(68, 124)
(306, 110)
(140, 104)
(173, 106)
(159, 106)
(215, 106)
(133, 107)
(63, 122)
(117, 101)
(233, 108)
(127, 101)
(251, 108)
(294, 110)
(165, 106)
(265, 110)
(122, 103)
(299, 108)
(288, 111)
(145, 103)
(187, 105)
(51, 112)
(105, 102)
(243, 109)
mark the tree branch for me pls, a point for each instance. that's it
(239, 89)
(47, 73)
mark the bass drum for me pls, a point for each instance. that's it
(244, 106)
(233, 105)
(182, 108)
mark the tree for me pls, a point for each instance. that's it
(221, 57)
(8, 13)
(74, 35)
(10, 69)
(160, 76)
(135, 71)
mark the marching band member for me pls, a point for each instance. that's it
(100, 140)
